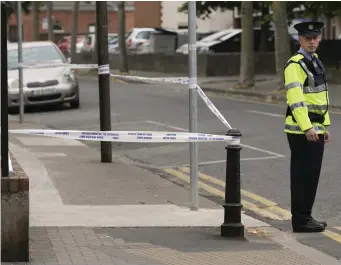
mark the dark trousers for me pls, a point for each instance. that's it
(305, 168)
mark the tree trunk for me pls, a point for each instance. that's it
(122, 38)
(282, 44)
(35, 15)
(50, 22)
(265, 30)
(74, 30)
(247, 46)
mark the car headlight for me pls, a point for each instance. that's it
(13, 83)
(67, 76)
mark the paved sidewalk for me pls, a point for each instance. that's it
(85, 212)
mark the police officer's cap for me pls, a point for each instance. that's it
(309, 29)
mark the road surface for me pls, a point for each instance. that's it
(265, 153)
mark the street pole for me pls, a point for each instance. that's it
(121, 38)
(50, 20)
(193, 112)
(103, 76)
(21, 89)
(4, 94)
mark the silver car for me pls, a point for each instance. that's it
(41, 86)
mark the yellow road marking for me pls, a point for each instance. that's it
(180, 174)
(247, 205)
(286, 215)
(115, 79)
(332, 235)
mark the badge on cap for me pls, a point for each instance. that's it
(311, 26)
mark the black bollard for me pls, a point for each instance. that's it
(232, 226)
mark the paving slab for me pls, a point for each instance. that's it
(161, 246)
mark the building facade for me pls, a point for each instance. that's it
(171, 18)
(135, 15)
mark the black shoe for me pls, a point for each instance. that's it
(324, 223)
(311, 226)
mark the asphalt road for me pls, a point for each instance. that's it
(265, 153)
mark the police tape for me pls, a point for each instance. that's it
(52, 64)
(181, 80)
(131, 136)
(10, 166)
(211, 106)
(174, 80)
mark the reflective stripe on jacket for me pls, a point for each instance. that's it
(307, 96)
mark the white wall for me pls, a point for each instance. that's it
(171, 18)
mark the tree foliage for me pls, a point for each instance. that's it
(205, 8)
(312, 9)
(11, 7)
(315, 9)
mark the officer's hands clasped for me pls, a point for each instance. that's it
(312, 135)
(327, 137)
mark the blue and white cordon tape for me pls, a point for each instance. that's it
(125, 136)
(131, 136)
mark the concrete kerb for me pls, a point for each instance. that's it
(274, 97)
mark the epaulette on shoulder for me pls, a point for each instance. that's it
(294, 59)
(297, 57)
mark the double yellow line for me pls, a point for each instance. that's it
(262, 206)
(268, 209)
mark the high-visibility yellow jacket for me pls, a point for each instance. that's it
(307, 95)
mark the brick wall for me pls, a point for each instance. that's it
(64, 18)
(147, 13)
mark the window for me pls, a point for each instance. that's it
(237, 38)
(143, 35)
(91, 28)
(41, 53)
(57, 27)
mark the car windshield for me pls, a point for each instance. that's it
(31, 54)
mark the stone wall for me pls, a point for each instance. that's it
(207, 64)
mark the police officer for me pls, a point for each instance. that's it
(306, 125)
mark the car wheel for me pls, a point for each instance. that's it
(13, 110)
(74, 104)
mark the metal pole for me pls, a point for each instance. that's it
(21, 89)
(103, 76)
(50, 20)
(193, 112)
(232, 226)
(4, 94)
